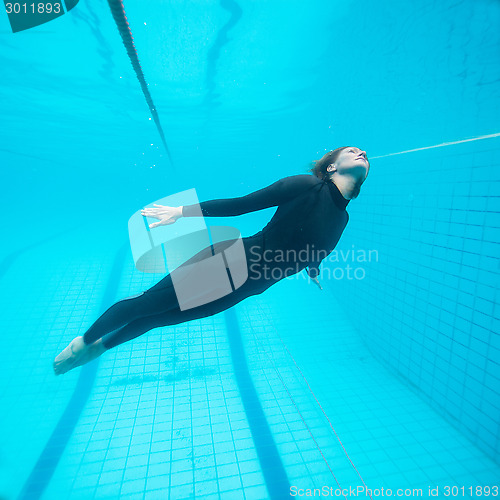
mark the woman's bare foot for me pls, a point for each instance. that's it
(77, 353)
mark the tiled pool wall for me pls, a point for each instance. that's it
(426, 302)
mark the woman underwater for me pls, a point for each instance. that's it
(311, 215)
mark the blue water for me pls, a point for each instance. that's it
(386, 379)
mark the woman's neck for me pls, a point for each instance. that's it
(347, 185)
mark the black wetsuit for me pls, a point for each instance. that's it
(305, 228)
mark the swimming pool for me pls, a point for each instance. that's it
(388, 378)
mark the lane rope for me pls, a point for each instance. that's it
(118, 11)
(443, 144)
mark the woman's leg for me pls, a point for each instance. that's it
(131, 331)
(78, 353)
(175, 316)
(154, 301)
(158, 299)
(132, 317)
(83, 349)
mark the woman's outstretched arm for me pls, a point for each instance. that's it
(281, 191)
(271, 196)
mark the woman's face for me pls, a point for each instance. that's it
(352, 160)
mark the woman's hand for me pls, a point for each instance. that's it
(316, 280)
(166, 215)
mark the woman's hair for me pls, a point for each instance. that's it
(319, 167)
